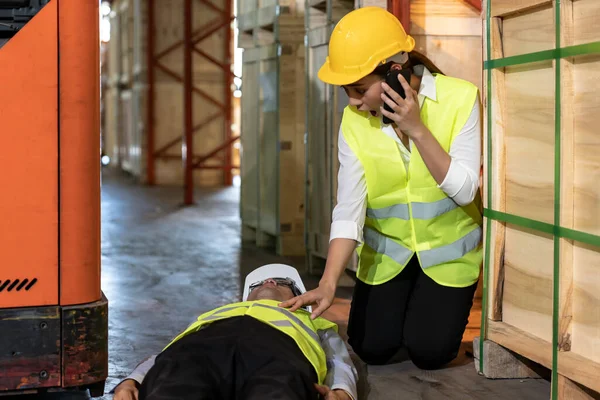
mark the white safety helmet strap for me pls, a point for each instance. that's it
(273, 271)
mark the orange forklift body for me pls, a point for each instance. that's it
(53, 314)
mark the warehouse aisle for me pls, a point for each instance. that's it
(164, 264)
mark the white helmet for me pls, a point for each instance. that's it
(273, 271)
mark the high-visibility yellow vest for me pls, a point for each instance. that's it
(298, 325)
(406, 211)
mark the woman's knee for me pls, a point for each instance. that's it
(373, 355)
(430, 357)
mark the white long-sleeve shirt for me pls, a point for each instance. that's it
(460, 184)
(341, 372)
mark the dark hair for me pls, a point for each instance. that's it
(414, 58)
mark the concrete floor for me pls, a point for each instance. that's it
(163, 264)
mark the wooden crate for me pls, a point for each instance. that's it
(272, 125)
(544, 281)
(324, 107)
(272, 134)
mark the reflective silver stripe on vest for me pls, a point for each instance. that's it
(217, 314)
(432, 210)
(452, 251)
(283, 322)
(291, 316)
(387, 246)
(419, 210)
(395, 211)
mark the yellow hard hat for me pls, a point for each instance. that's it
(362, 40)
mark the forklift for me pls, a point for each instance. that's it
(53, 314)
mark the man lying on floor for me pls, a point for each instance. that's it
(250, 350)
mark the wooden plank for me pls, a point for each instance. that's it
(527, 297)
(504, 8)
(530, 141)
(567, 180)
(586, 279)
(442, 8)
(443, 17)
(573, 366)
(529, 32)
(444, 50)
(499, 174)
(449, 26)
(569, 390)
(529, 192)
(585, 13)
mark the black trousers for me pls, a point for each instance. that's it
(236, 358)
(410, 311)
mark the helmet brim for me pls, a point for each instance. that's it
(327, 75)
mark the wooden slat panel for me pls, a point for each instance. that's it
(567, 172)
(587, 144)
(498, 174)
(569, 390)
(443, 17)
(586, 296)
(586, 14)
(586, 302)
(528, 33)
(501, 8)
(530, 141)
(527, 298)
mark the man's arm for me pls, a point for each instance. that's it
(341, 372)
(140, 371)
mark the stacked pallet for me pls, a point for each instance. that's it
(542, 197)
(272, 124)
